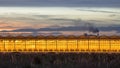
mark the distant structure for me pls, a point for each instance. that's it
(60, 43)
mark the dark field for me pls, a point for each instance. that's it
(59, 60)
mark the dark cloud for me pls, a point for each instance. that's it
(102, 11)
(88, 27)
(62, 19)
(22, 18)
(110, 28)
(25, 30)
(70, 28)
(94, 3)
(91, 28)
(76, 25)
(74, 28)
(116, 20)
(43, 16)
(112, 15)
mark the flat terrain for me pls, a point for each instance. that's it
(59, 60)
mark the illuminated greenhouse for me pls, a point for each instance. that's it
(60, 44)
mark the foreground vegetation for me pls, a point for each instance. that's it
(59, 60)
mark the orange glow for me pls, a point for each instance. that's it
(83, 44)
(94, 44)
(41, 44)
(115, 44)
(59, 45)
(20, 44)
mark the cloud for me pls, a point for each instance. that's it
(62, 19)
(33, 22)
(104, 3)
(113, 15)
(102, 11)
(110, 28)
(67, 30)
(63, 24)
(53, 28)
(116, 20)
(41, 16)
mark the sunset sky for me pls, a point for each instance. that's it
(62, 16)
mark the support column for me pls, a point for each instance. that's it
(4, 44)
(88, 43)
(46, 44)
(35, 44)
(67, 45)
(110, 44)
(77, 44)
(14, 45)
(56, 44)
(99, 43)
(25, 43)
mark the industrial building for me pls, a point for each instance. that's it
(60, 44)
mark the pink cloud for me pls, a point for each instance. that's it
(13, 25)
